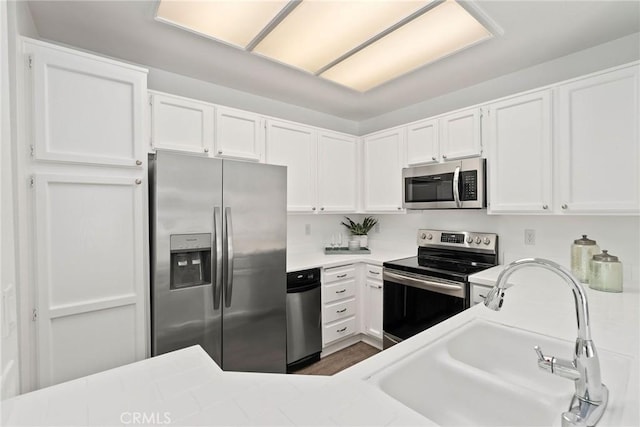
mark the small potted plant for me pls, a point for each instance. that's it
(360, 230)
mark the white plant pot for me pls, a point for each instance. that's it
(364, 241)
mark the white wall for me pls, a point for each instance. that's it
(177, 84)
(554, 234)
(616, 52)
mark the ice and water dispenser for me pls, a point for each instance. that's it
(190, 260)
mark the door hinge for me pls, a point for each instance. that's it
(31, 150)
(32, 181)
(34, 315)
(30, 61)
(150, 99)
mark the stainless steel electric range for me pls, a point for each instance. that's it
(426, 289)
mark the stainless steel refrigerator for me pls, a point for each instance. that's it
(218, 259)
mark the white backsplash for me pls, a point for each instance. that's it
(553, 234)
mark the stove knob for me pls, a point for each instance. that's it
(423, 236)
(429, 236)
(478, 240)
(486, 241)
(469, 239)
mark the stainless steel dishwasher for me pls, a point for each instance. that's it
(304, 318)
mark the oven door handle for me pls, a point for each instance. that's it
(429, 285)
(456, 187)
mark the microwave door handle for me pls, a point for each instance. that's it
(456, 188)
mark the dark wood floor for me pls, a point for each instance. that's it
(339, 360)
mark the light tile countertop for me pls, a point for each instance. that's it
(303, 261)
(187, 388)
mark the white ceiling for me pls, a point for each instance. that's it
(534, 32)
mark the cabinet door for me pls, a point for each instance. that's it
(460, 134)
(598, 144)
(520, 159)
(181, 124)
(383, 171)
(337, 172)
(295, 147)
(239, 134)
(423, 142)
(86, 109)
(90, 281)
(373, 308)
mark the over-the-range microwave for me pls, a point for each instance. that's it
(451, 185)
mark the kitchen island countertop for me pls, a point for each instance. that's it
(187, 388)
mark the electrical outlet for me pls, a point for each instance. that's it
(529, 237)
(307, 229)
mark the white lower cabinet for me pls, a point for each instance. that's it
(479, 293)
(372, 301)
(339, 303)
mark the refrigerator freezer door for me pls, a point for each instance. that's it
(254, 325)
(185, 190)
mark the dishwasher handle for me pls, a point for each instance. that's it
(303, 288)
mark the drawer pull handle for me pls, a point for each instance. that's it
(376, 286)
(340, 276)
(374, 272)
(341, 292)
(341, 311)
(342, 330)
(482, 296)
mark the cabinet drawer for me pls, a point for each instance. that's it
(478, 293)
(338, 310)
(340, 290)
(374, 271)
(339, 273)
(338, 330)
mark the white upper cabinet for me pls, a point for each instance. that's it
(337, 172)
(180, 123)
(86, 109)
(294, 146)
(597, 145)
(520, 159)
(460, 134)
(383, 162)
(423, 145)
(239, 134)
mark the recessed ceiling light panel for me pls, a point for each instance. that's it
(316, 33)
(444, 30)
(235, 22)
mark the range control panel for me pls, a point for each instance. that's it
(457, 239)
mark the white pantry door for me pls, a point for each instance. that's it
(90, 276)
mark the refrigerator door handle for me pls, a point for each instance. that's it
(229, 233)
(217, 265)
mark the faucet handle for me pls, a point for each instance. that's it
(544, 362)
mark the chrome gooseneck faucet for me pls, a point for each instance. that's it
(591, 396)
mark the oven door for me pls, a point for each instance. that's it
(413, 303)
